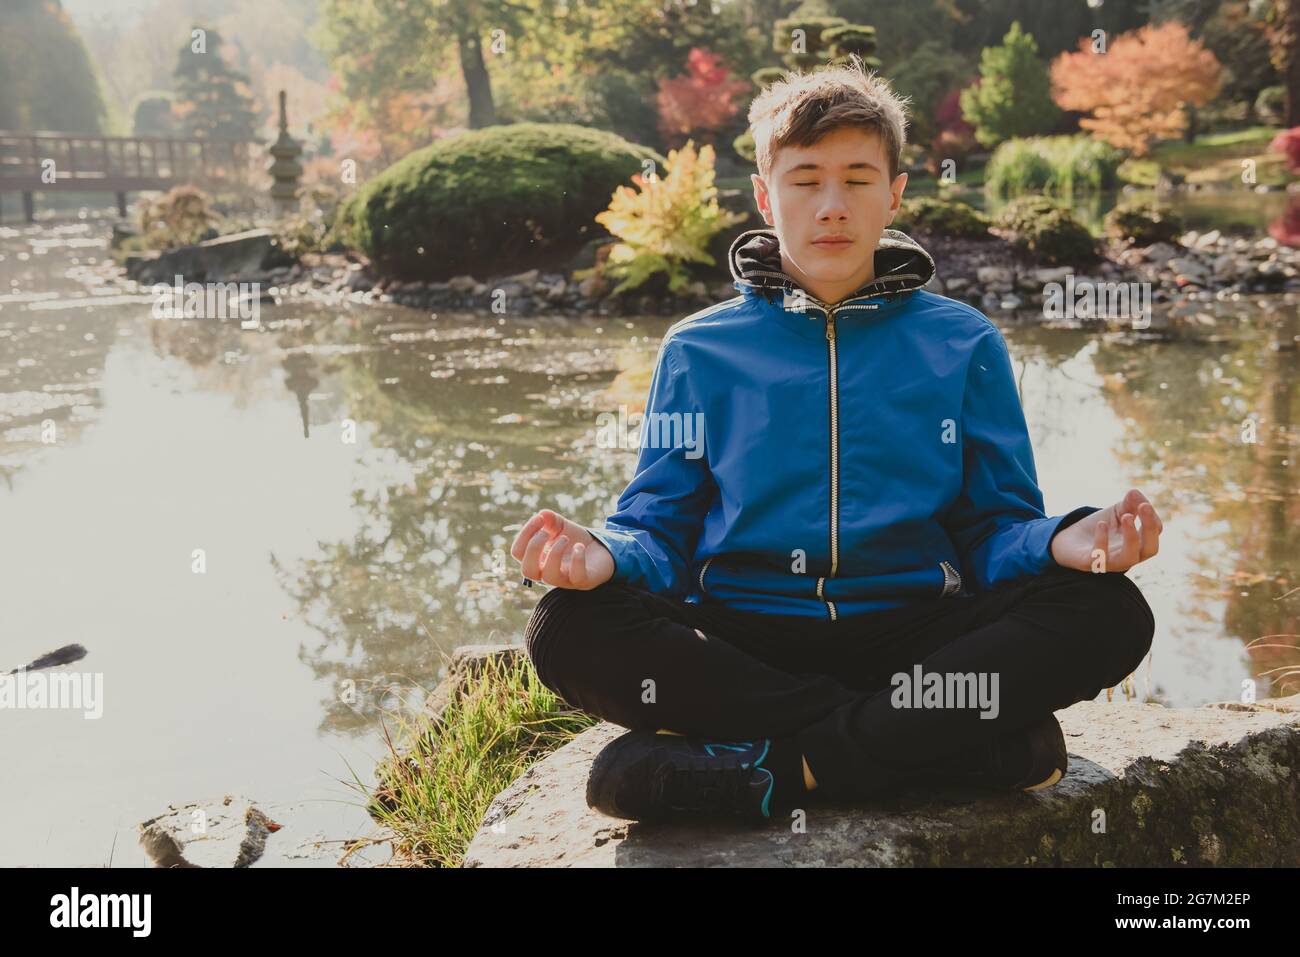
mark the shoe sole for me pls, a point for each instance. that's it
(1056, 776)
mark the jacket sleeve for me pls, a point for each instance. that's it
(660, 514)
(998, 522)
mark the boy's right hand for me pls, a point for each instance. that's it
(554, 550)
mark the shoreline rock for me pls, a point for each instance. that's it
(1212, 786)
(1186, 280)
(236, 831)
(232, 832)
(226, 258)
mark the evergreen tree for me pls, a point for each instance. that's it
(46, 78)
(809, 39)
(1014, 94)
(213, 100)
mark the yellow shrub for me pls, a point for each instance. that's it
(666, 222)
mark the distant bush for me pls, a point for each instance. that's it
(181, 217)
(1053, 164)
(311, 228)
(1144, 224)
(744, 146)
(491, 202)
(153, 115)
(1049, 233)
(1270, 105)
(941, 217)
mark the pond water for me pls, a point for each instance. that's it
(353, 476)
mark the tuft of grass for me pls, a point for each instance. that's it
(439, 777)
(1060, 165)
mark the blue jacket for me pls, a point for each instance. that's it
(803, 459)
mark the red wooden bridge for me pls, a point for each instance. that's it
(33, 163)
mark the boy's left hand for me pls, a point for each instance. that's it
(1114, 532)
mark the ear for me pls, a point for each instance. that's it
(896, 196)
(762, 199)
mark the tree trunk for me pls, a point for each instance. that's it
(1292, 80)
(1284, 39)
(482, 110)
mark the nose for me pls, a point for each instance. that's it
(833, 208)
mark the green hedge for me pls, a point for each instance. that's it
(491, 202)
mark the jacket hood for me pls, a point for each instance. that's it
(902, 264)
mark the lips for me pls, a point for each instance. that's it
(833, 242)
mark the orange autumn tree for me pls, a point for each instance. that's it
(1137, 91)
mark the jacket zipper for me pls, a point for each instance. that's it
(951, 579)
(833, 359)
(832, 354)
(705, 569)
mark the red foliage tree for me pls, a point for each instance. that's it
(699, 104)
(954, 138)
(1288, 144)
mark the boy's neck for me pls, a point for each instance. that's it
(831, 293)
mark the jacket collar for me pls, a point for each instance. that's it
(902, 265)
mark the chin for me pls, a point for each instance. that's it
(840, 274)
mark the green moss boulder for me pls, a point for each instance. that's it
(1048, 232)
(1144, 224)
(946, 218)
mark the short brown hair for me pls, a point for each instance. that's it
(801, 108)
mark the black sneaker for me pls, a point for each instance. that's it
(1028, 759)
(646, 776)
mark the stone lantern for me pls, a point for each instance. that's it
(285, 168)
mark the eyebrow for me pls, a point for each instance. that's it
(817, 166)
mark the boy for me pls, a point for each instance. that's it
(834, 541)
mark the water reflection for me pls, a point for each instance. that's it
(300, 380)
(464, 428)
(1205, 425)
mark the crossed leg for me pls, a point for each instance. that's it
(645, 661)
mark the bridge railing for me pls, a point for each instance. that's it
(123, 164)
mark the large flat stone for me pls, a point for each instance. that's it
(224, 259)
(1147, 786)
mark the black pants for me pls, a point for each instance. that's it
(637, 659)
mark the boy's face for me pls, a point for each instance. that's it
(828, 204)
